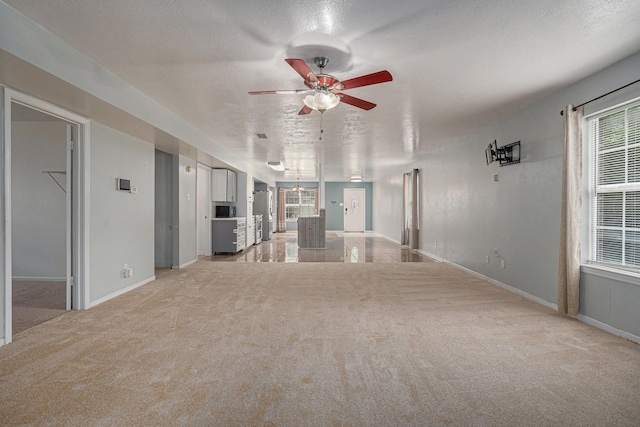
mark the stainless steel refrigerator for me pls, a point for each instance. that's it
(262, 206)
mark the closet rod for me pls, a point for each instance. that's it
(601, 96)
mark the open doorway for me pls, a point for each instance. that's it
(164, 210)
(39, 201)
(63, 184)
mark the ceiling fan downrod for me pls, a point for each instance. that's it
(321, 62)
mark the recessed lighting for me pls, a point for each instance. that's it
(261, 135)
(276, 166)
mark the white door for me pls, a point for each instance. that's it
(203, 203)
(354, 209)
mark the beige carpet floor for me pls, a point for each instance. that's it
(258, 344)
(37, 302)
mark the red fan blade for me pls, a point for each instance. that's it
(357, 102)
(303, 69)
(369, 79)
(305, 110)
(278, 92)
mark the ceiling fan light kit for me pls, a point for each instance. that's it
(321, 101)
(325, 91)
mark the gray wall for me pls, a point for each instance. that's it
(469, 215)
(163, 202)
(38, 204)
(334, 195)
(122, 230)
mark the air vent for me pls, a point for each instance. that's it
(261, 135)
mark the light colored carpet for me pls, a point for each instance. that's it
(257, 344)
(37, 302)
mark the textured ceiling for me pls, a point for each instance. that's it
(457, 66)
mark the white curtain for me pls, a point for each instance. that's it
(569, 261)
(410, 210)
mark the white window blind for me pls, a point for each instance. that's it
(615, 187)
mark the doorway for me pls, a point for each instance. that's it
(164, 209)
(39, 207)
(204, 210)
(44, 207)
(354, 209)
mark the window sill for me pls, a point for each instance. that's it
(611, 273)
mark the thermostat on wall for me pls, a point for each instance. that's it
(124, 184)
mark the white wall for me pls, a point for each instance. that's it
(122, 224)
(469, 215)
(38, 203)
(185, 244)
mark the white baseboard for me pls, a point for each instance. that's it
(39, 279)
(608, 328)
(186, 264)
(495, 282)
(121, 291)
(376, 234)
(581, 317)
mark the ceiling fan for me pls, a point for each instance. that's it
(325, 91)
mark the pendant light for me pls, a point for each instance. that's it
(297, 187)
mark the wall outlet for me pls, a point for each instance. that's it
(126, 271)
(435, 244)
(501, 263)
(495, 252)
(488, 259)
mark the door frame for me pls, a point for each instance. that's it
(363, 207)
(78, 177)
(204, 224)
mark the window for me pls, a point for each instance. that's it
(614, 186)
(300, 203)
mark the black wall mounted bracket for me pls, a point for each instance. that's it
(507, 155)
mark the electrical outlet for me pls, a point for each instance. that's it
(488, 259)
(501, 263)
(435, 244)
(495, 252)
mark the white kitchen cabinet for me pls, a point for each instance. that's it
(224, 185)
(250, 236)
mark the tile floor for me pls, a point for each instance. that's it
(340, 247)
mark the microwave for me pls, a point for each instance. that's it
(225, 211)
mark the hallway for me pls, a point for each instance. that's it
(340, 247)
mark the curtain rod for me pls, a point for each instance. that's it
(601, 96)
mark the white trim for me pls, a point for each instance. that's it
(5, 215)
(186, 264)
(608, 109)
(80, 208)
(121, 291)
(611, 273)
(608, 328)
(39, 279)
(581, 317)
(495, 282)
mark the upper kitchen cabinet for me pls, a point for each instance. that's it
(224, 185)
